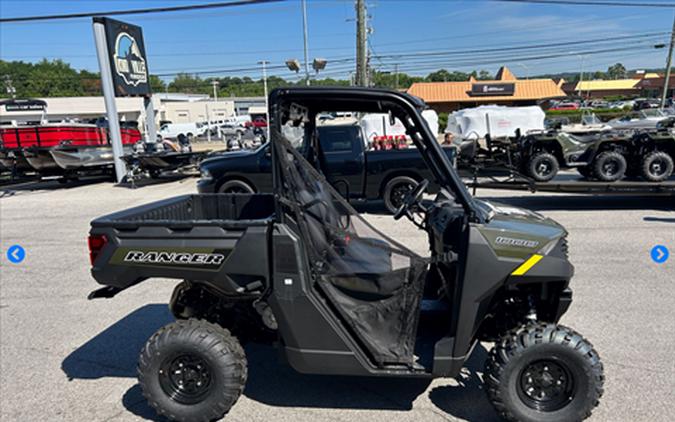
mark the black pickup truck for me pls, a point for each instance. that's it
(357, 173)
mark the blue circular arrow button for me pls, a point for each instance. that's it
(16, 254)
(660, 254)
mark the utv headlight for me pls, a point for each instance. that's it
(205, 174)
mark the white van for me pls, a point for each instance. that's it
(190, 130)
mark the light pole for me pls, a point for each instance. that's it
(264, 64)
(581, 73)
(215, 91)
(317, 64)
(304, 27)
(215, 103)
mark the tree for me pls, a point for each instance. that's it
(484, 75)
(617, 71)
(439, 76)
(157, 84)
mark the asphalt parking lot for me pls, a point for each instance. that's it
(65, 358)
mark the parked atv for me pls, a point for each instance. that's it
(302, 270)
(601, 156)
(653, 152)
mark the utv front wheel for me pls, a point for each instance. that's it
(544, 372)
(192, 370)
(542, 167)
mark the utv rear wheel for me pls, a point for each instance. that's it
(544, 372)
(192, 370)
(609, 166)
(542, 167)
(396, 190)
(657, 166)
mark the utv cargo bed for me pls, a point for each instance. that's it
(219, 239)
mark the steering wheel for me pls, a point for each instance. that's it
(411, 198)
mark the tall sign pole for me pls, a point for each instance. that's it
(124, 73)
(115, 136)
(150, 126)
(666, 80)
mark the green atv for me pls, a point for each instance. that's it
(600, 156)
(652, 152)
(302, 270)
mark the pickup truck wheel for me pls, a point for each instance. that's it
(395, 191)
(609, 166)
(235, 186)
(192, 370)
(657, 166)
(542, 167)
(544, 372)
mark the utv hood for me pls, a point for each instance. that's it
(517, 232)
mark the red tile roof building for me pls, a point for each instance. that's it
(505, 89)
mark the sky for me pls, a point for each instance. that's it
(415, 36)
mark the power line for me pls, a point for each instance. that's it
(592, 3)
(136, 11)
(523, 47)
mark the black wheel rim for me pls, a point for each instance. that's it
(657, 167)
(610, 167)
(399, 192)
(544, 168)
(185, 378)
(546, 385)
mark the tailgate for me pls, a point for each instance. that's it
(231, 256)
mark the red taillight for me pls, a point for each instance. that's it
(96, 243)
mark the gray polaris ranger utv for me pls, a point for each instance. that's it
(303, 270)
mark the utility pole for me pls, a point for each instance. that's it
(396, 76)
(304, 26)
(666, 80)
(361, 44)
(264, 64)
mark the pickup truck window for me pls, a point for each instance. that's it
(338, 138)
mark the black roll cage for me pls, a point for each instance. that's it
(403, 106)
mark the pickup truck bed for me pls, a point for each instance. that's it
(219, 239)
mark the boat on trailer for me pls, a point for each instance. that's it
(53, 148)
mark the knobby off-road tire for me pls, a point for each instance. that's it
(192, 371)
(609, 166)
(657, 166)
(544, 358)
(542, 167)
(395, 191)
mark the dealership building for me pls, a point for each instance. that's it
(505, 89)
(169, 107)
